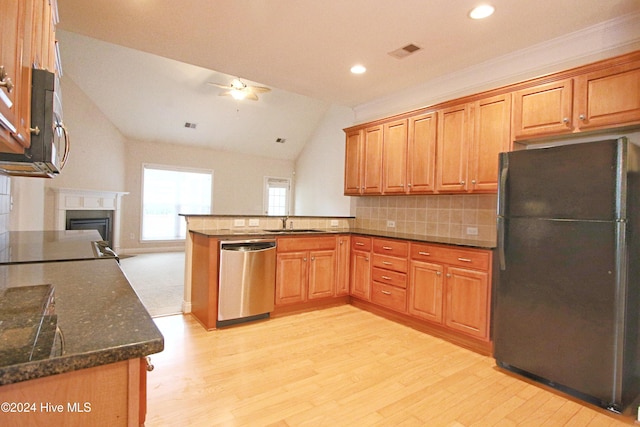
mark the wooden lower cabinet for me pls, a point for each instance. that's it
(426, 290)
(305, 269)
(361, 267)
(106, 395)
(467, 301)
(451, 286)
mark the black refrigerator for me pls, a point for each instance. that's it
(566, 295)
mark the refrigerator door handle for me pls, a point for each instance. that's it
(502, 190)
(501, 256)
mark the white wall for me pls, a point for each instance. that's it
(238, 181)
(319, 185)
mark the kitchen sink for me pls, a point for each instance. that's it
(299, 230)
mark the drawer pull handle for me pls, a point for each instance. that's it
(424, 253)
(387, 263)
(359, 244)
(464, 259)
(386, 292)
(386, 277)
(387, 248)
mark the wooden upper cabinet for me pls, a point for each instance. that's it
(421, 153)
(491, 135)
(353, 162)
(13, 15)
(372, 164)
(394, 157)
(608, 97)
(543, 110)
(453, 148)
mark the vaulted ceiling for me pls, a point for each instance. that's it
(147, 63)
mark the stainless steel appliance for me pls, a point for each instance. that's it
(49, 148)
(247, 280)
(567, 293)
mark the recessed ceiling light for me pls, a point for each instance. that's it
(481, 11)
(358, 69)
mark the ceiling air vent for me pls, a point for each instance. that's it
(405, 51)
(280, 140)
(190, 125)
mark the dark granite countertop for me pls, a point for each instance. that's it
(47, 246)
(253, 234)
(100, 316)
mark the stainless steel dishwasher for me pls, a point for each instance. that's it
(247, 280)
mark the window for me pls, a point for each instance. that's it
(276, 195)
(167, 192)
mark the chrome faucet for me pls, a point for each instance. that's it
(284, 222)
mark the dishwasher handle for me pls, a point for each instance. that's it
(254, 246)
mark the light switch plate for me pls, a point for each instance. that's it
(472, 231)
(238, 222)
(335, 223)
(254, 222)
(391, 224)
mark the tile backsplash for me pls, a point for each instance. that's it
(454, 216)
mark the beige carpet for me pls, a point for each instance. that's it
(158, 279)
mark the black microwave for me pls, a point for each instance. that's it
(49, 138)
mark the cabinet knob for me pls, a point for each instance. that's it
(35, 131)
(582, 117)
(438, 273)
(565, 120)
(448, 274)
(313, 258)
(408, 185)
(473, 181)
(304, 259)
(367, 259)
(149, 366)
(461, 182)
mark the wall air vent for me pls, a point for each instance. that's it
(405, 51)
(190, 125)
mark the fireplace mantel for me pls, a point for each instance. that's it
(67, 199)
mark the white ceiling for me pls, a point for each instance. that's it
(146, 63)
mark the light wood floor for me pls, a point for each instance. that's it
(341, 367)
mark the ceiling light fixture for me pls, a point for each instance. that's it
(482, 11)
(358, 69)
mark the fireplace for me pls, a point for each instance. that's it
(90, 209)
(91, 220)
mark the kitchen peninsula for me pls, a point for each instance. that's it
(439, 285)
(73, 334)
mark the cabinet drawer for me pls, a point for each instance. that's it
(294, 244)
(389, 277)
(389, 296)
(391, 247)
(478, 259)
(390, 263)
(360, 243)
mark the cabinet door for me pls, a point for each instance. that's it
(453, 148)
(543, 110)
(12, 20)
(467, 301)
(342, 276)
(291, 277)
(322, 274)
(353, 163)
(491, 135)
(421, 153)
(394, 157)
(373, 160)
(425, 298)
(360, 275)
(609, 97)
